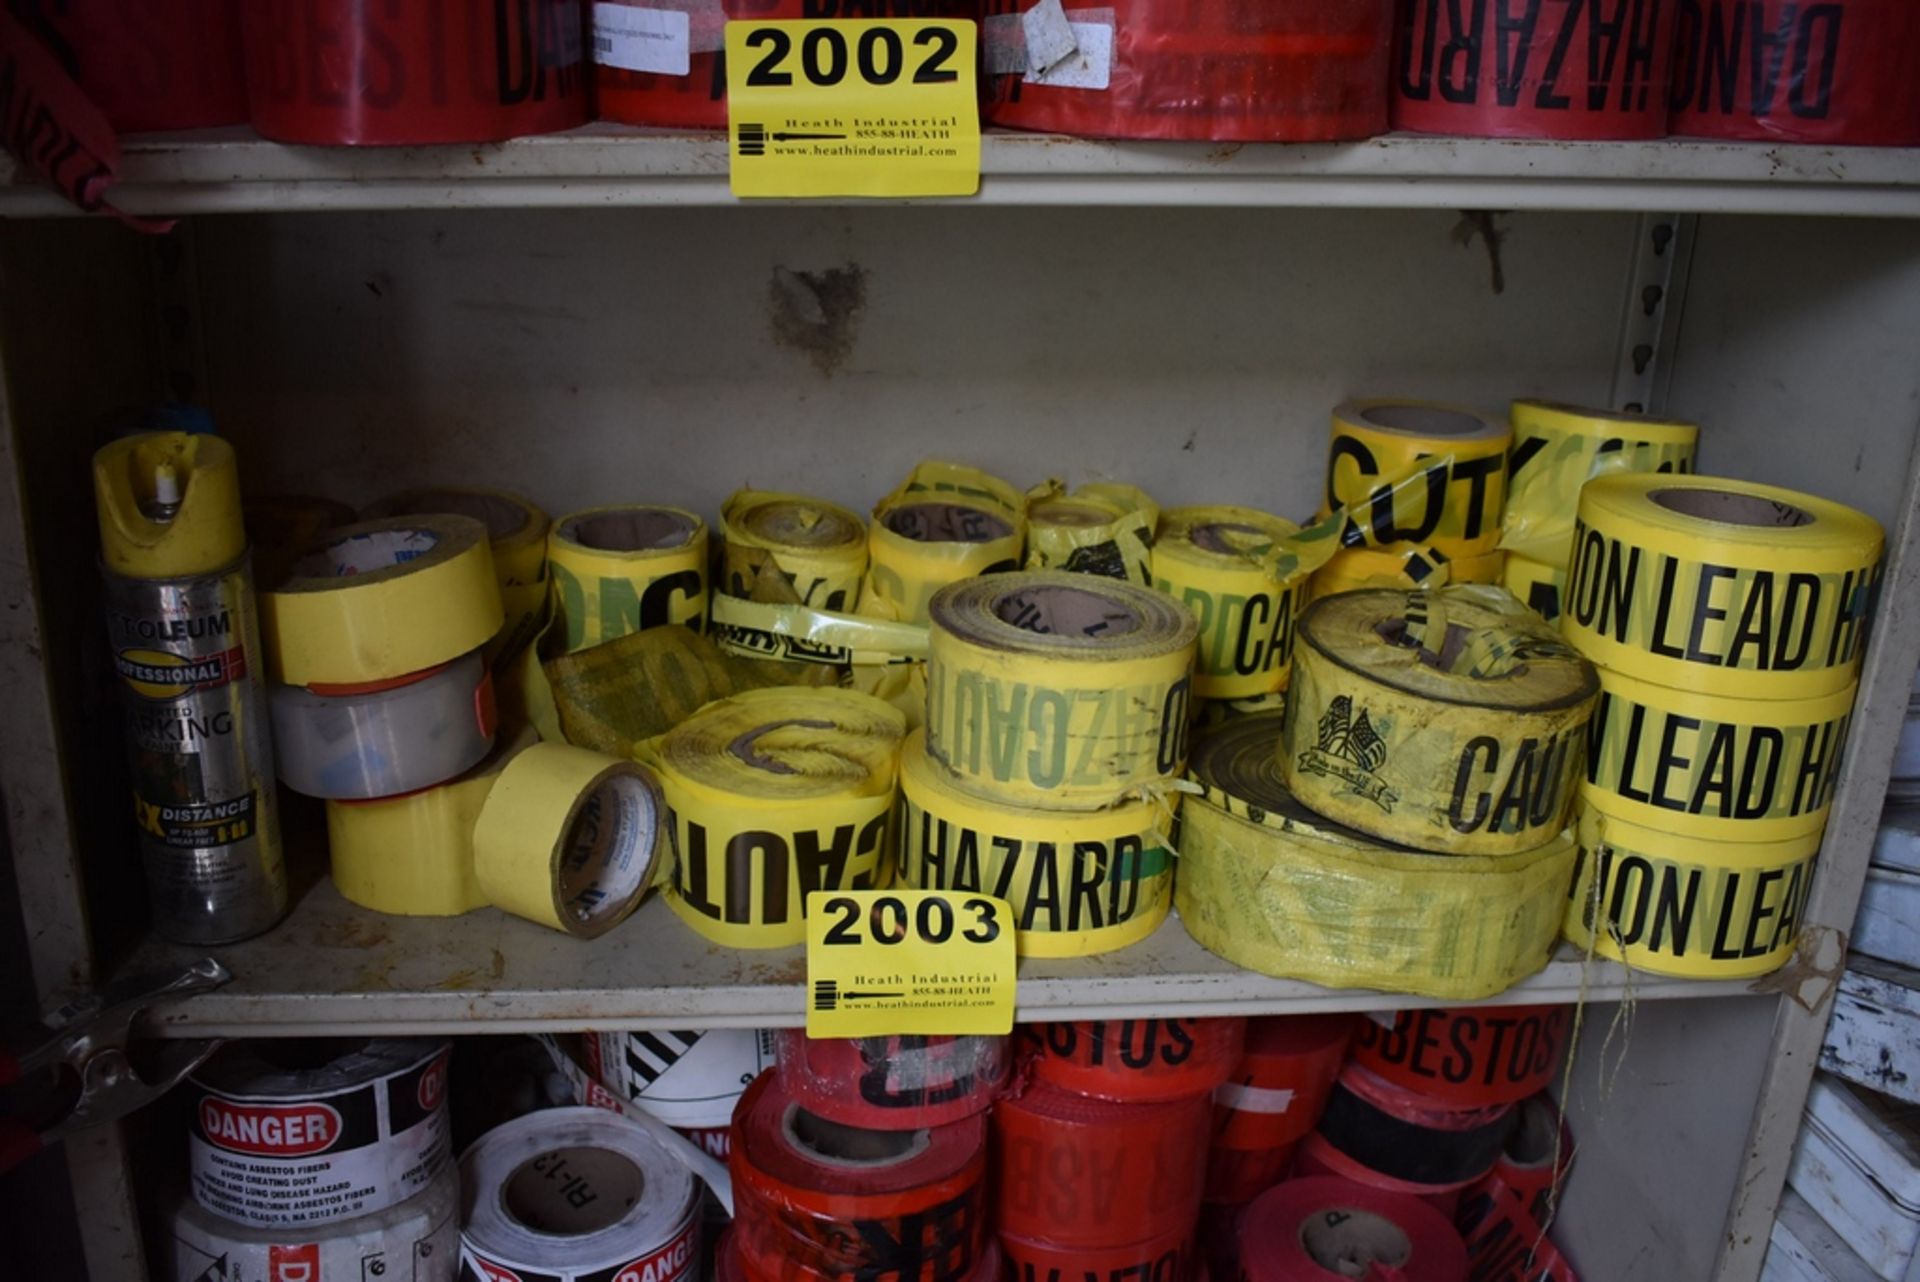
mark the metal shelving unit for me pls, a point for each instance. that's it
(1179, 314)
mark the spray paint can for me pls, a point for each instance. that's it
(186, 648)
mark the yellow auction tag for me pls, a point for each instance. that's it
(836, 107)
(908, 961)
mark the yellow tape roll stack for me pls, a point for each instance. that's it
(571, 839)
(786, 549)
(1270, 886)
(945, 523)
(413, 855)
(772, 794)
(1375, 440)
(1447, 721)
(620, 570)
(1059, 691)
(1078, 883)
(1686, 905)
(1102, 528)
(382, 599)
(1720, 586)
(1208, 559)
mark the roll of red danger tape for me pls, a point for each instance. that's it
(818, 1201)
(889, 1083)
(1224, 71)
(1533, 69)
(1320, 1230)
(1504, 1216)
(359, 73)
(1467, 1057)
(150, 64)
(1382, 1135)
(1076, 1173)
(1275, 1094)
(1170, 1258)
(1839, 72)
(1135, 1059)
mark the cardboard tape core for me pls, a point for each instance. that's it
(850, 1147)
(609, 850)
(1348, 1242)
(1053, 610)
(630, 531)
(946, 523)
(530, 1197)
(1732, 509)
(1423, 420)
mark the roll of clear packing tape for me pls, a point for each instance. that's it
(1272, 887)
(1058, 691)
(1446, 721)
(571, 839)
(382, 599)
(773, 793)
(1376, 440)
(412, 855)
(619, 570)
(577, 1195)
(1077, 883)
(1208, 559)
(1103, 527)
(946, 522)
(383, 738)
(1722, 587)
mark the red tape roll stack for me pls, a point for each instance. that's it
(1468, 1057)
(1285, 1073)
(1079, 1174)
(1503, 1216)
(1385, 1136)
(889, 1083)
(151, 64)
(1842, 72)
(664, 62)
(356, 73)
(1217, 71)
(1514, 70)
(1165, 1259)
(1135, 1059)
(818, 1201)
(1321, 1230)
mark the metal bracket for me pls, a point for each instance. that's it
(1650, 315)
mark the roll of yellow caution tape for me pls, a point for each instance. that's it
(785, 549)
(1541, 588)
(1210, 560)
(382, 599)
(618, 570)
(1721, 586)
(1208, 713)
(772, 794)
(1375, 439)
(412, 856)
(1274, 888)
(946, 522)
(1448, 721)
(1402, 566)
(1678, 905)
(1704, 765)
(1058, 691)
(571, 839)
(1103, 528)
(202, 529)
(517, 528)
(1078, 883)
(1558, 448)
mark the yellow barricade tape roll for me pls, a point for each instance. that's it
(1704, 765)
(1373, 440)
(1216, 712)
(1210, 559)
(194, 474)
(571, 839)
(1058, 691)
(945, 523)
(1721, 586)
(1684, 906)
(1103, 528)
(1270, 886)
(786, 549)
(1467, 744)
(1541, 588)
(382, 599)
(412, 856)
(1558, 448)
(772, 794)
(1078, 883)
(619, 570)
(517, 528)
(1402, 566)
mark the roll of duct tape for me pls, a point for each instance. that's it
(618, 570)
(1376, 440)
(1207, 558)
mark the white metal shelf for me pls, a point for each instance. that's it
(233, 171)
(336, 969)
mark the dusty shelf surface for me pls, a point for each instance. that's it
(333, 968)
(234, 171)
